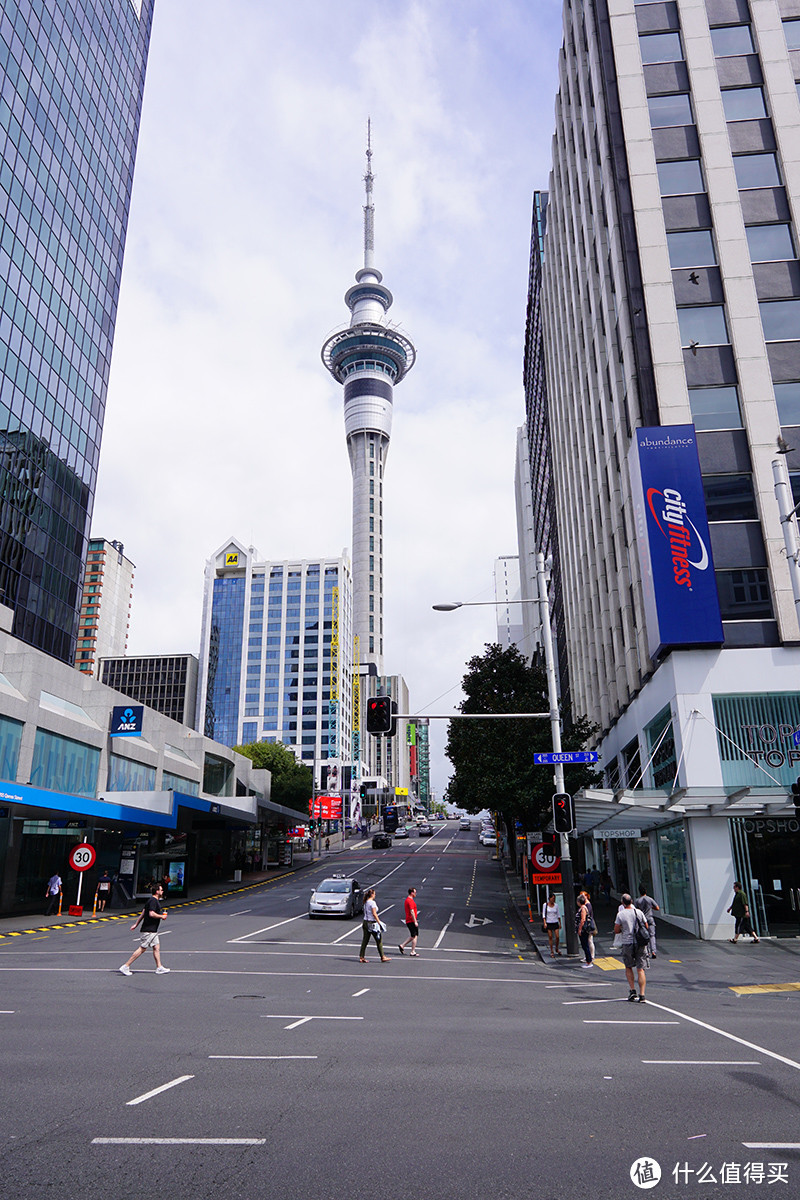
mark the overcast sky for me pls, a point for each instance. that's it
(246, 230)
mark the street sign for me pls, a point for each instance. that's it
(550, 758)
(546, 879)
(544, 858)
(82, 857)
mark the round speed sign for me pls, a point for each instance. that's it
(544, 857)
(82, 857)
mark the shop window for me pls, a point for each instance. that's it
(673, 866)
(10, 740)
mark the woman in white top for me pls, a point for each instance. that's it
(551, 919)
(371, 925)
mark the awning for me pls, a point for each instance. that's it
(644, 809)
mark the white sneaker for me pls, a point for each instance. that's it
(125, 970)
(587, 965)
(162, 970)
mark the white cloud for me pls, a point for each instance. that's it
(244, 234)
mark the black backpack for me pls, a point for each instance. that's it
(641, 931)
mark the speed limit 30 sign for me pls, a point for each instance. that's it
(82, 857)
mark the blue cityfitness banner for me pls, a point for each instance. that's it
(682, 605)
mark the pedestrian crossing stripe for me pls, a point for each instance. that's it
(766, 987)
(609, 964)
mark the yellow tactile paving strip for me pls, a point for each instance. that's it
(757, 988)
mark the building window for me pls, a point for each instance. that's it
(731, 40)
(744, 104)
(127, 775)
(660, 733)
(791, 29)
(704, 326)
(770, 243)
(729, 498)
(633, 765)
(681, 178)
(756, 170)
(781, 320)
(661, 47)
(10, 740)
(744, 595)
(694, 248)
(715, 408)
(64, 765)
(787, 397)
(670, 110)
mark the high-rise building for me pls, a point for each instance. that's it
(671, 320)
(165, 682)
(510, 630)
(105, 613)
(368, 358)
(275, 662)
(72, 80)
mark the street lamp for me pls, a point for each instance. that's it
(555, 726)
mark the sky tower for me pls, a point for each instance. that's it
(368, 358)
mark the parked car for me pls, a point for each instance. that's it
(488, 837)
(381, 841)
(465, 823)
(338, 896)
(400, 832)
(424, 830)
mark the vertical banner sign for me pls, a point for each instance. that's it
(680, 589)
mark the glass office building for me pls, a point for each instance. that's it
(71, 81)
(276, 658)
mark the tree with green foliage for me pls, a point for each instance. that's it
(291, 783)
(493, 760)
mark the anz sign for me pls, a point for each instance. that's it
(126, 720)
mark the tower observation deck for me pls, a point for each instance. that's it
(368, 358)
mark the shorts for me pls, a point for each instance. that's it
(633, 955)
(148, 941)
(412, 928)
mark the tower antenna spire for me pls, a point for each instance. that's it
(369, 207)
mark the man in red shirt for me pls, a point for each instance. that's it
(412, 921)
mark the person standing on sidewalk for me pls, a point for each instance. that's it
(583, 926)
(151, 918)
(647, 906)
(633, 955)
(740, 911)
(412, 923)
(551, 921)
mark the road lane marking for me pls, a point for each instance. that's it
(301, 1021)
(772, 1145)
(702, 1062)
(438, 941)
(631, 1021)
(789, 1062)
(363, 992)
(264, 1057)
(240, 913)
(296, 1021)
(156, 1141)
(156, 1091)
(266, 929)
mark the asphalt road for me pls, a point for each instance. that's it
(271, 1062)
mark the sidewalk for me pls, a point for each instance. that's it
(18, 925)
(672, 943)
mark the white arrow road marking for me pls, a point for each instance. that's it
(438, 941)
(302, 1020)
(473, 921)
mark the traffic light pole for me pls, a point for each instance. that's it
(555, 727)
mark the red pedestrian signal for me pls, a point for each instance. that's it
(380, 716)
(563, 813)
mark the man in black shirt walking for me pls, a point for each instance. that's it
(151, 918)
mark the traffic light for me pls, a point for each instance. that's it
(796, 795)
(563, 813)
(380, 716)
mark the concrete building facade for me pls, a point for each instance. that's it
(105, 614)
(165, 682)
(671, 317)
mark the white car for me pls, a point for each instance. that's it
(488, 837)
(338, 896)
(400, 832)
(465, 823)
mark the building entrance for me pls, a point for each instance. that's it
(767, 857)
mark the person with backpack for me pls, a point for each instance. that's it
(647, 905)
(634, 940)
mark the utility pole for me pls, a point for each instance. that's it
(555, 727)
